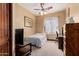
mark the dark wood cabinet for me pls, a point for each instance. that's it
(20, 48)
(72, 39)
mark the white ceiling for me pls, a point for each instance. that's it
(56, 7)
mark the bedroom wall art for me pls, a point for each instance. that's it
(27, 22)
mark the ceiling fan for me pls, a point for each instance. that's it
(42, 7)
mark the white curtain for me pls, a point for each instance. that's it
(51, 25)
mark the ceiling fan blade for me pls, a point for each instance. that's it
(37, 9)
(49, 8)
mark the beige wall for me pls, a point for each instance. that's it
(18, 22)
(39, 23)
(74, 11)
(40, 20)
(20, 12)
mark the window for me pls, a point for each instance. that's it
(51, 25)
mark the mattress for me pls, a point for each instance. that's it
(38, 39)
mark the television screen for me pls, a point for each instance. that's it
(19, 36)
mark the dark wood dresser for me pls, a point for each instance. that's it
(72, 39)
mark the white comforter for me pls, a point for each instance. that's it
(38, 39)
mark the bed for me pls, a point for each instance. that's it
(38, 39)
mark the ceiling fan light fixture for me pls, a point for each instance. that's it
(43, 9)
(45, 12)
(41, 13)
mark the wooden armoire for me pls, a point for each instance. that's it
(72, 39)
(5, 29)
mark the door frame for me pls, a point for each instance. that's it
(10, 28)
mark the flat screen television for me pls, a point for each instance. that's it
(19, 36)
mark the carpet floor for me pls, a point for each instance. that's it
(50, 49)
